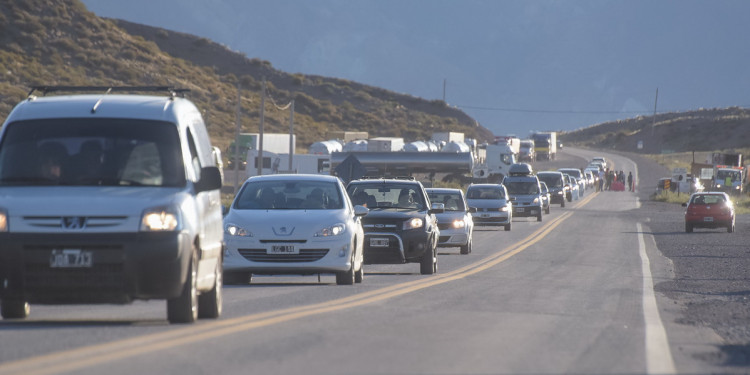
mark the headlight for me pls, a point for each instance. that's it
(503, 209)
(413, 223)
(236, 230)
(737, 187)
(536, 200)
(333, 230)
(161, 219)
(718, 186)
(460, 223)
(3, 221)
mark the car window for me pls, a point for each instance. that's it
(489, 192)
(452, 201)
(289, 195)
(522, 187)
(705, 199)
(379, 195)
(85, 152)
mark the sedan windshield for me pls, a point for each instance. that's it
(289, 195)
(522, 188)
(476, 192)
(380, 195)
(452, 201)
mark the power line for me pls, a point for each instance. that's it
(546, 110)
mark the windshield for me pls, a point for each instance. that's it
(289, 195)
(452, 201)
(485, 192)
(522, 187)
(91, 152)
(380, 195)
(552, 181)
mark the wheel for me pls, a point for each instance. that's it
(360, 275)
(466, 248)
(210, 303)
(539, 216)
(236, 278)
(184, 309)
(428, 265)
(688, 228)
(14, 309)
(507, 227)
(570, 197)
(730, 227)
(562, 204)
(346, 277)
(546, 210)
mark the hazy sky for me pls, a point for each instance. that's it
(515, 66)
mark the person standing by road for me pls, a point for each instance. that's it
(630, 181)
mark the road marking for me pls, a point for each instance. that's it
(92, 355)
(658, 355)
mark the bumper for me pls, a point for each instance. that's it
(123, 267)
(396, 247)
(714, 222)
(526, 211)
(311, 257)
(453, 237)
(491, 218)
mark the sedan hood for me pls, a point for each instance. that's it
(286, 224)
(486, 203)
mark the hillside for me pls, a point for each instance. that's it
(60, 42)
(717, 129)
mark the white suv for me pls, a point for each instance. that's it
(108, 199)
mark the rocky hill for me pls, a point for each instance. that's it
(717, 129)
(59, 42)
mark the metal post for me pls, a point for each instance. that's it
(291, 134)
(260, 132)
(236, 150)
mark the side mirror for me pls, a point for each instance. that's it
(437, 208)
(472, 209)
(361, 210)
(210, 180)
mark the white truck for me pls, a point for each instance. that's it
(272, 142)
(545, 145)
(278, 163)
(495, 164)
(447, 137)
(385, 144)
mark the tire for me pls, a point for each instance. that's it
(730, 227)
(210, 303)
(14, 309)
(237, 278)
(428, 264)
(359, 275)
(184, 309)
(546, 210)
(346, 277)
(507, 227)
(688, 228)
(562, 205)
(539, 217)
(466, 249)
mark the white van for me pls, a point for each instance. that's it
(107, 199)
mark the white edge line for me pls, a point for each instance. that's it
(658, 355)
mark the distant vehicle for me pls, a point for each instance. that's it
(578, 175)
(527, 152)
(557, 188)
(600, 159)
(492, 205)
(709, 210)
(571, 192)
(272, 142)
(455, 223)
(545, 145)
(110, 203)
(496, 161)
(525, 194)
(401, 226)
(293, 224)
(728, 179)
(545, 197)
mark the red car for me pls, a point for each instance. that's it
(709, 210)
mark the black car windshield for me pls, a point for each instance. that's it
(380, 195)
(452, 201)
(485, 192)
(89, 152)
(289, 195)
(522, 187)
(552, 181)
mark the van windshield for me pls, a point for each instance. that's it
(91, 152)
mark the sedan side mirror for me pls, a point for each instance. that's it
(361, 210)
(437, 208)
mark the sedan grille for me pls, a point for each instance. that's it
(305, 255)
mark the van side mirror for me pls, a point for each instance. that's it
(210, 180)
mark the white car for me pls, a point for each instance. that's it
(491, 205)
(455, 223)
(293, 224)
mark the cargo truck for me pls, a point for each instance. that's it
(545, 145)
(272, 142)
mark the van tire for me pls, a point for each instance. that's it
(184, 308)
(14, 309)
(210, 303)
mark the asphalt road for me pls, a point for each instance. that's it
(571, 294)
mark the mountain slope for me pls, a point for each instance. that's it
(61, 42)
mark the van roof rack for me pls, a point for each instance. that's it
(108, 89)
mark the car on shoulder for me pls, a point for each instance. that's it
(455, 223)
(293, 224)
(545, 196)
(709, 210)
(555, 182)
(401, 226)
(491, 203)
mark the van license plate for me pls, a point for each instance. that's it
(71, 258)
(283, 249)
(378, 242)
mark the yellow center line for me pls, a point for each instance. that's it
(83, 357)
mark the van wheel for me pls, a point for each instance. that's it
(539, 216)
(428, 264)
(210, 303)
(14, 309)
(184, 309)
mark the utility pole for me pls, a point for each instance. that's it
(445, 82)
(259, 161)
(653, 122)
(236, 150)
(291, 134)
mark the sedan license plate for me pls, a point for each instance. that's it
(708, 219)
(485, 215)
(71, 258)
(378, 242)
(519, 209)
(282, 249)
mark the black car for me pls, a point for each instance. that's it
(556, 185)
(401, 226)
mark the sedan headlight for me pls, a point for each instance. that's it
(160, 219)
(3, 221)
(413, 223)
(503, 209)
(536, 200)
(458, 223)
(236, 230)
(333, 230)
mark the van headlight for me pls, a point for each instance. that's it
(458, 223)
(413, 223)
(3, 221)
(333, 230)
(236, 230)
(160, 219)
